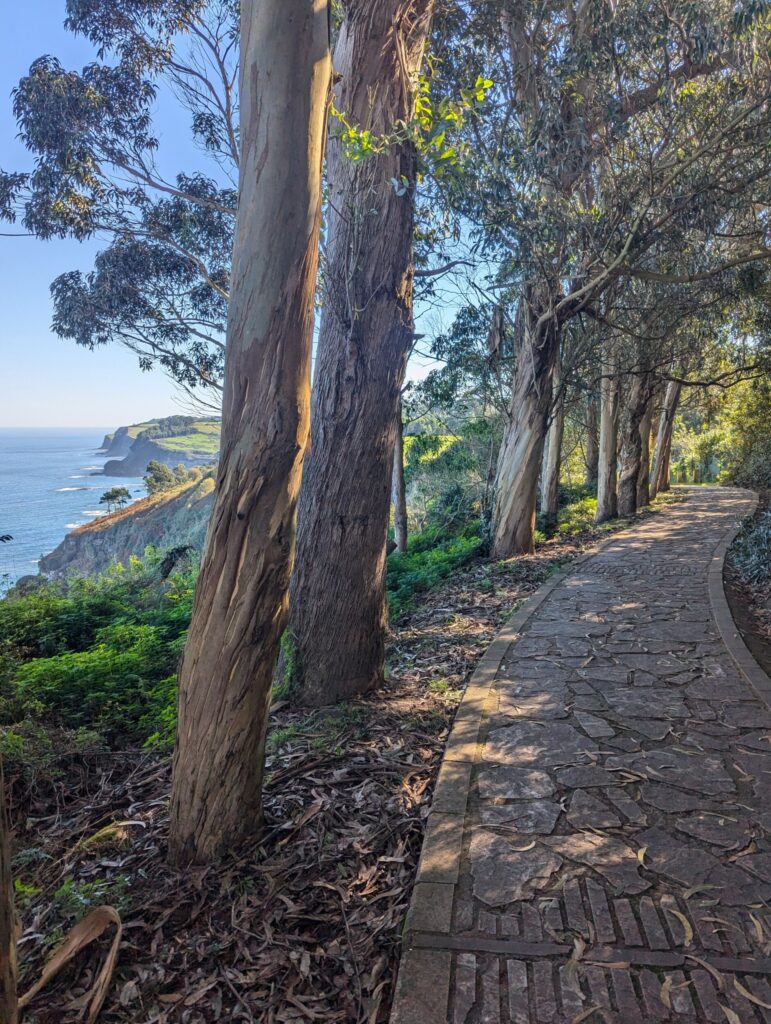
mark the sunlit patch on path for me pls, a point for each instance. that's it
(599, 847)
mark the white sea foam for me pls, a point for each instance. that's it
(72, 526)
(78, 476)
(59, 490)
(93, 512)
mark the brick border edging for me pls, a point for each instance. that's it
(423, 982)
(721, 612)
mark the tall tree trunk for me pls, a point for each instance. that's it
(399, 488)
(592, 440)
(660, 474)
(8, 1008)
(643, 479)
(519, 461)
(550, 507)
(631, 451)
(607, 495)
(241, 599)
(339, 615)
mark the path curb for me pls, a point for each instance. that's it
(721, 611)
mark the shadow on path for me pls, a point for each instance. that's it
(599, 847)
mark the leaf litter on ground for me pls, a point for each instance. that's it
(304, 923)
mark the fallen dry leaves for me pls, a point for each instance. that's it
(303, 924)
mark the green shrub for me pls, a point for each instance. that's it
(427, 561)
(97, 654)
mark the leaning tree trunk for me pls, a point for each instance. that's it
(241, 598)
(643, 478)
(607, 495)
(592, 440)
(660, 474)
(339, 615)
(519, 461)
(399, 487)
(8, 1001)
(631, 451)
(550, 506)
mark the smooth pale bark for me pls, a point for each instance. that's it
(607, 494)
(660, 473)
(544, 472)
(399, 487)
(550, 507)
(519, 461)
(8, 999)
(631, 450)
(592, 440)
(241, 598)
(643, 479)
(339, 615)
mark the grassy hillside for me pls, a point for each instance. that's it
(203, 436)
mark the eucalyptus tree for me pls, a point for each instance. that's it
(161, 285)
(241, 600)
(613, 124)
(338, 599)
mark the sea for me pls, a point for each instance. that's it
(48, 487)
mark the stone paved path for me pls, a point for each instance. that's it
(599, 846)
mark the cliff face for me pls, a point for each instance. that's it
(172, 441)
(143, 451)
(167, 520)
(118, 444)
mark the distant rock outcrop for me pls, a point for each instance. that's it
(118, 444)
(170, 519)
(173, 440)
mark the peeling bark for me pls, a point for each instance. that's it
(339, 615)
(519, 461)
(241, 598)
(660, 474)
(607, 495)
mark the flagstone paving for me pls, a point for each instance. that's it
(599, 845)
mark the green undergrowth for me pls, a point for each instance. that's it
(94, 661)
(97, 655)
(430, 558)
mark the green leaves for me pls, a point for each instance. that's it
(434, 129)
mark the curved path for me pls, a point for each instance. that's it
(599, 844)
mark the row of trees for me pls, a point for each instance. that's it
(602, 168)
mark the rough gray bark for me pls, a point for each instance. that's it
(643, 479)
(660, 474)
(637, 399)
(550, 507)
(8, 997)
(399, 487)
(339, 614)
(607, 495)
(241, 599)
(592, 439)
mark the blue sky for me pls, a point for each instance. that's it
(47, 381)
